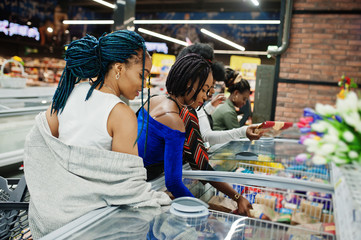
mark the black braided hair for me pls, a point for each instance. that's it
(88, 58)
(241, 86)
(188, 68)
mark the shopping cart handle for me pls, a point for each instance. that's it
(14, 205)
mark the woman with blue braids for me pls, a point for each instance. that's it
(82, 153)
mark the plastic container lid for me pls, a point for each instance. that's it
(189, 207)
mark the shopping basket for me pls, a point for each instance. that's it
(14, 204)
(12, 82)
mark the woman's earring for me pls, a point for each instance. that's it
(117, 76)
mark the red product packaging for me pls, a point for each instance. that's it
(273, 128)
(329, 228)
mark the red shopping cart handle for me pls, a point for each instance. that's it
(269, 124)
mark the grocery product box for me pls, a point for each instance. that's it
(222, 204)
(269, 201)
(312, 209)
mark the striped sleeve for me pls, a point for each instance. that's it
(194, 151)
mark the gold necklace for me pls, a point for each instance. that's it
(109, 88)
(183, 104)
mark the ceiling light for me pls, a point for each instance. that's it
(219, 38)
(49, 29)
(240, 52)
(207, 21)
(154, 34)
(255, 2)
(88, 22)
(105, 3)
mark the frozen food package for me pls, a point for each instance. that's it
(273, 128)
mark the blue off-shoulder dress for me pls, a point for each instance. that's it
(164, 152)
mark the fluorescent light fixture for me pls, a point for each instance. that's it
(154, 34)
(88, 22)
(219, 38)
(105, 3)
(207, 21)
(175, 21)
(240, 52)
(255, 2)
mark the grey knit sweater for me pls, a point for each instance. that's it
(65, 182)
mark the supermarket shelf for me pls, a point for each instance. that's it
(258, 180)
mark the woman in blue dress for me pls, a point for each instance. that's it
(161, 130)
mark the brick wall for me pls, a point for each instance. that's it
(322, 48)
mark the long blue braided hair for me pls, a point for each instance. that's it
(89, 57)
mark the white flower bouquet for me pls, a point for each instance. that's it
(334, 133)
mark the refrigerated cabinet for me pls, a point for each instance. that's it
(18, 108)
(269, 162)
(144, 223)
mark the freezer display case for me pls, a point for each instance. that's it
(283, 161)
(145, 223)
(125, 223)
(17, 116)
(290, 133)
(18, 108)
(280, 211)
(311, 217)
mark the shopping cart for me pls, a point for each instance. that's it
(14, 203)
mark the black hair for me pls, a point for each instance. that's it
(241, 86)
(231, 76)
(206, 51)
(218, 72)
(203, 49)
(89, 57)
(188, 68)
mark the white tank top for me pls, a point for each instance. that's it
(84, 123)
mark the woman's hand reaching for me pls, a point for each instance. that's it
(220, 98)
(251, 133)
(244, 206)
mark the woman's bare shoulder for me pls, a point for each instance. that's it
(172, 120)
(122, 126)
(122, 112)
(165, 112)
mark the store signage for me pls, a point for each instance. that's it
(10, 29)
